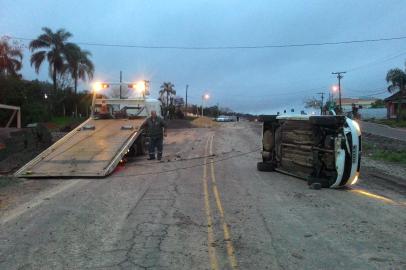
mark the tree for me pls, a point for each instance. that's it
(167, 90)
(379, 103)
(51, 46)
(10, 59)
(397, 79)
(79, 64)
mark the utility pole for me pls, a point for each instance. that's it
(121, 79)
(339, 77)
(322, 102)
(187, 86)
(202, 104)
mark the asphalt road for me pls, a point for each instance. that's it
(383, 130)
(205, 207)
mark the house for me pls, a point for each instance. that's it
(347, 103)
(395, 104)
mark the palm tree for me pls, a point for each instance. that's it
(10, 59)
(79, 64)
(52, 46)
(167, 89)
(397, 78)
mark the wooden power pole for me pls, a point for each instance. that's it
(339, 77)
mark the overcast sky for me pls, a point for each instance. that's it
(246, 80)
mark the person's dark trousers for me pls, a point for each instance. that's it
(155, 142)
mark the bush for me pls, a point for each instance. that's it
(30, 96)
(35, 113)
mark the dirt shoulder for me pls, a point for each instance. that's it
(383, 160)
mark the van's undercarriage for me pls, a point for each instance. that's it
(311, 148)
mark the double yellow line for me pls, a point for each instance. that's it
(210, 229)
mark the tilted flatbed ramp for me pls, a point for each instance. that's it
(91, 150)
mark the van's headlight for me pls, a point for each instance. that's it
(355, 179)
(357, 127)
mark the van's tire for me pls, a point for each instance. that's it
(268, 140)
(315, 186)
(327, 120)
(267, 118)
(265, 167)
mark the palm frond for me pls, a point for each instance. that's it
(43, 41)
(63, 34)
(37, 59)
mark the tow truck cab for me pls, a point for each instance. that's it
(319, 149)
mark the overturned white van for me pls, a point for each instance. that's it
(323, 150)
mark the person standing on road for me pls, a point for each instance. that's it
(155, 130)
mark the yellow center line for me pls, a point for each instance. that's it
(210, 234)
(227, 236)
(376, 196)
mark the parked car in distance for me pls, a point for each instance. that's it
(226, 118)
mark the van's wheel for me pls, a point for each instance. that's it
(317, 183)
(265, 167)
(141, 146)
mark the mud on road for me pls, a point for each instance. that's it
(204, 207)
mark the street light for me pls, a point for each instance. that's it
(205, 97)
(334, 89)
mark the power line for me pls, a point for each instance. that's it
(378, 61)
(376, 94)
(267, 46)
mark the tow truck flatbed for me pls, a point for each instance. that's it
(93, 149)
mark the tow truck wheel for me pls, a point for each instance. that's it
(141, 146)
(265, 167)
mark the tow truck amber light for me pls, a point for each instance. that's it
(97, 86)
(139, 86)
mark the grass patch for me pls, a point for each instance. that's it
(391, 122)
(391, 156)
(59, 122)
(398, 156)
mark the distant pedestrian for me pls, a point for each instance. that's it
(155, 130)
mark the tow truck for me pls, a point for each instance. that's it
(324, 150)
(94, 148)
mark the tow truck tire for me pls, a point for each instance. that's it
(141, 146)
(265, 167)
(132, 151)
